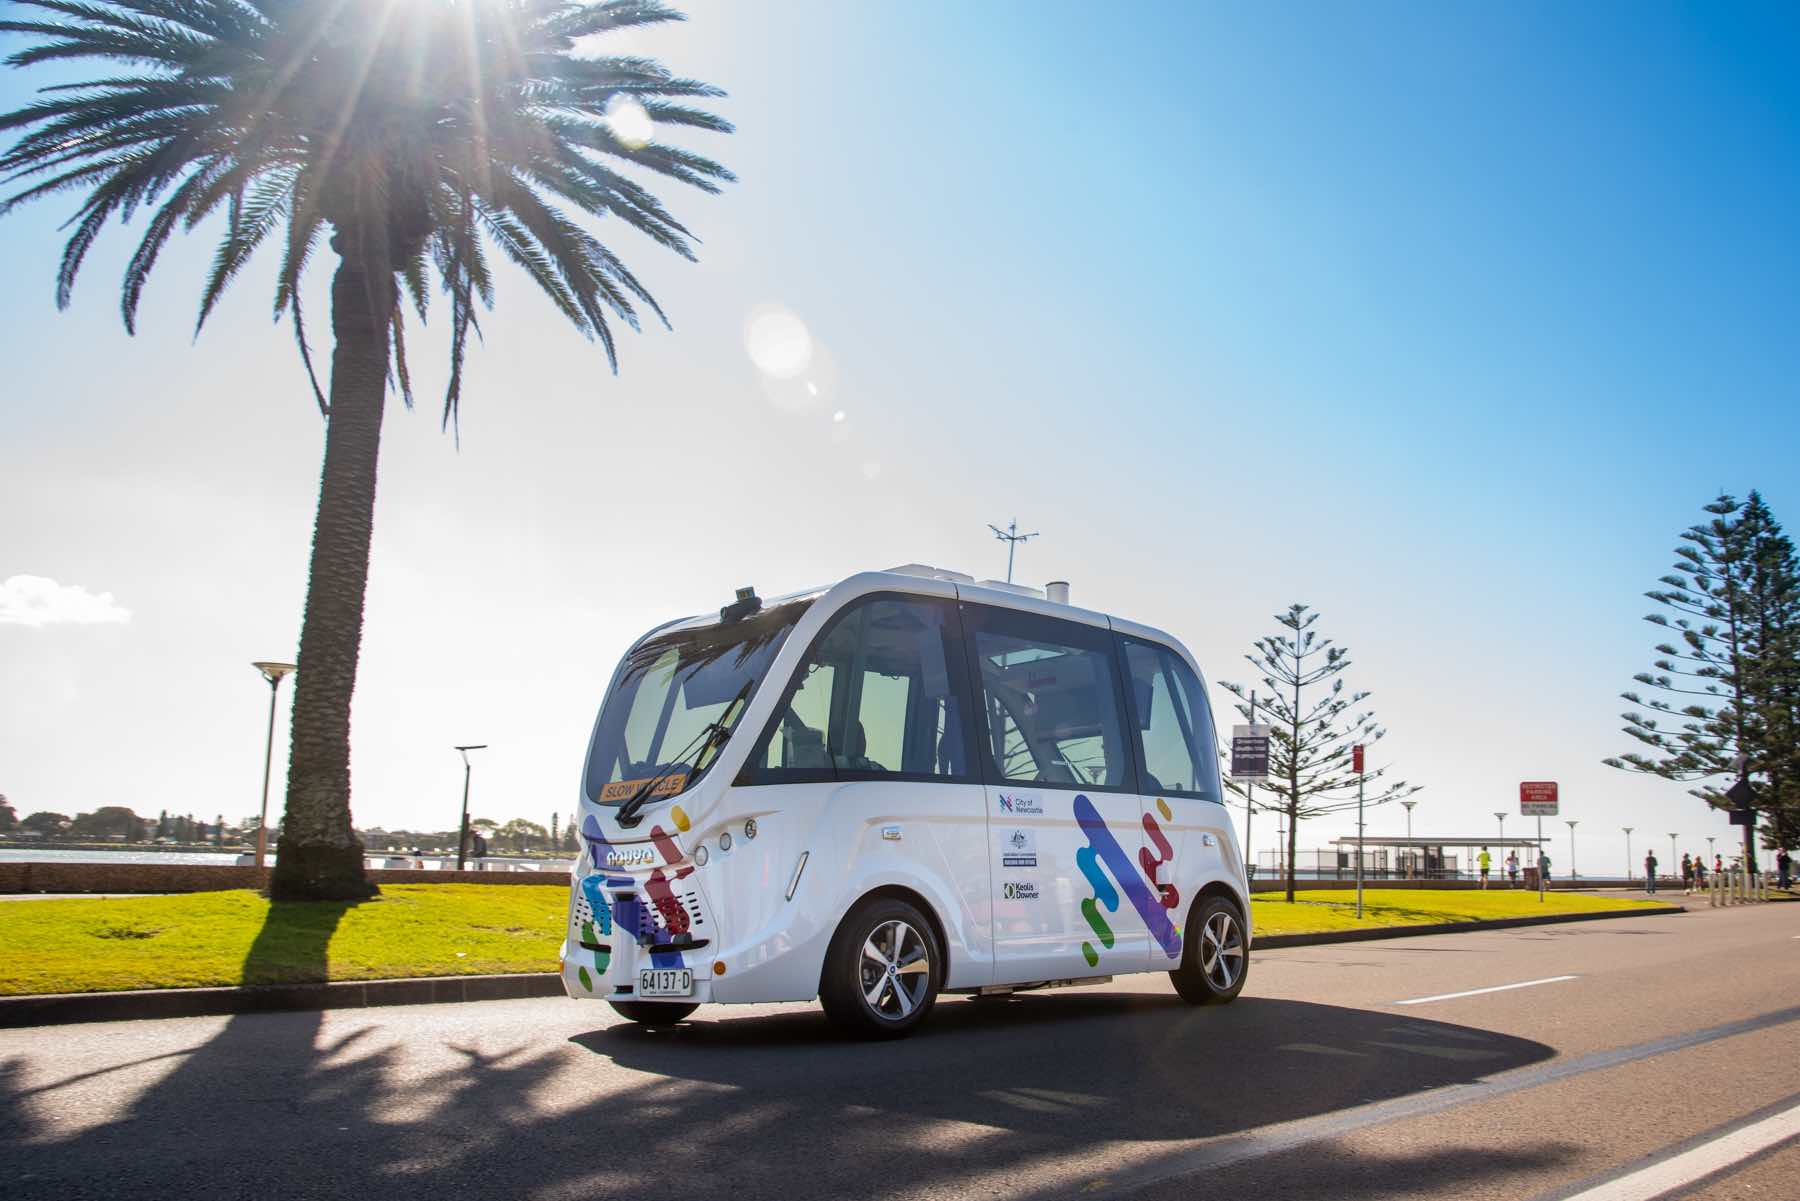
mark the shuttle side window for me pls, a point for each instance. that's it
(1173, 721)
(879, 696)
(1050, 700)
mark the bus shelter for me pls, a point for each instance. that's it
(1433, 857)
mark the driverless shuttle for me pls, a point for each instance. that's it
(902, 785)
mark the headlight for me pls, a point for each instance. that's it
(750, 828)
(725, 841)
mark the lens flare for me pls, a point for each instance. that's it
(629, 122)
(779, 343)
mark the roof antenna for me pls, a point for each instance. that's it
(1011, 536)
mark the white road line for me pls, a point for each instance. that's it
(1703, 1160)
(1476, 992)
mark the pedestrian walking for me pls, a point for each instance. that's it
(1650, 872)
(1485, 861)
(1544, 867)
(1699, 873)
(1718, 864)
(1512, 868)
(1784, 867)
(1687, 873)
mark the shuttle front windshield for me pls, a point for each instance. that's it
(677, 701)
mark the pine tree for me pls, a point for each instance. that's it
(1311, 735)
(1772, 674)
(1732, 590)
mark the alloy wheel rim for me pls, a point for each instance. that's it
(895, 970)
(1221, 951)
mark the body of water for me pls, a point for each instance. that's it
(228, 858)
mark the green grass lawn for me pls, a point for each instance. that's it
(1333, 909)
(80, 944)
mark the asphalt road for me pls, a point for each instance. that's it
(1672, 1045)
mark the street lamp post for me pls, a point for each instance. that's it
(272, 672)
(1572, 823)
(1412, 856)
(1709, 850)
(1673, 857)
(1627, 830)
(462, 842)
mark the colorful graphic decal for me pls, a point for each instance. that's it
(593, 914)
(625, 912)
(1104, 848)
(1165, 853)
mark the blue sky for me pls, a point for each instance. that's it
(1442, 319)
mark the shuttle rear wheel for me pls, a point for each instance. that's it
(1216, 958)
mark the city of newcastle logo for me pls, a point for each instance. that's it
(1014, 803)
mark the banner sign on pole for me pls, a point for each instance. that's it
(1356, 758)
(1537, 798)
(1250, 752)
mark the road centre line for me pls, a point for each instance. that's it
(1712, 1155)
(1476, 992)
(1229, 1150)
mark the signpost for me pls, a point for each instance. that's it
(1249, 764)
(1537, 798)
(1356, 761)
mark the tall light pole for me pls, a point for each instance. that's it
(1572, 823)
(1627, 830)
(1673, 857)
(462, 842)
(1709, 850)
(1412, 856)
(1011, 536)
(272, 672)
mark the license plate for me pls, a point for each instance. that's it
(665, 982)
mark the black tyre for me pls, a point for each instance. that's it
(1216, 959)
(883, 971)
(651, 1013)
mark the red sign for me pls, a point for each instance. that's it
(1356, 758)
(1537, 798)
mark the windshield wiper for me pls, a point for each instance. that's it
(713, 734)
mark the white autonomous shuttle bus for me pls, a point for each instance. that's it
(901, 785)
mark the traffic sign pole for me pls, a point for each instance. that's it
(1249, 805)
(1360, 777)
(1540, 861)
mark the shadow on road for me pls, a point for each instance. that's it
(449, 1104)
(1110, 1065)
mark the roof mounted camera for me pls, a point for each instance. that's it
(746, 604)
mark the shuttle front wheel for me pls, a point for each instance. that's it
(1216, 958)
(882, 971)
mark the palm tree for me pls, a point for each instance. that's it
(421, 134)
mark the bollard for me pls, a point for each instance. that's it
(1712, 891)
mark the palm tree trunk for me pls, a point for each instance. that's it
(319, 856)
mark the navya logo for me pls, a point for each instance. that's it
(1021, 804)
(630, 857)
